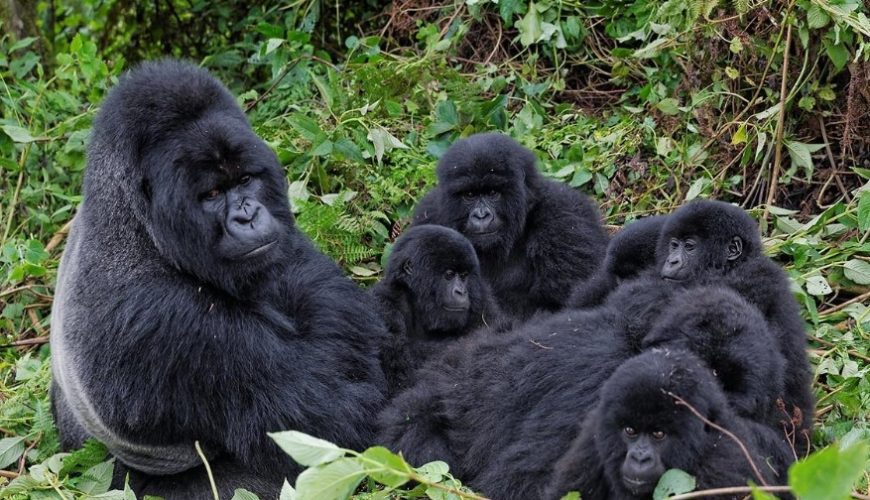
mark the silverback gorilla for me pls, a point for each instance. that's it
(190, 308)
(432, 295)
(535, 238)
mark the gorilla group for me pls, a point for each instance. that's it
(509, 336)
(189, 307)
(535, 238)
(502, 409)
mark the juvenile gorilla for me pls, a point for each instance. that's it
(190, 308)
(711, 242)
(638, 431)
(630, 252)
(431, 295)
(535, 238)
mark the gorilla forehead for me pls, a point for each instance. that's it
(714, 220)
(437, 246)
(162, 100)
(647, 381)
(485, 160)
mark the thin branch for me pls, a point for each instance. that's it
(730, 491)
(681, 401)
(780, 125)
(214, 490)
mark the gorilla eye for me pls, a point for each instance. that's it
(468, 195)
(493, 193)
(674, 244)
(630, 431)
(449, 274)
(690, 245)
(245, 179)
(212, 194)
(658, 435)
(463, 275)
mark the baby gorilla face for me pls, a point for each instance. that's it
(643, 459)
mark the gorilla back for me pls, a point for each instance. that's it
(188, 306)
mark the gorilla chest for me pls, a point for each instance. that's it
(509, 278)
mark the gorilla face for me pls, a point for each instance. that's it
(642, 431)
(485, 179)
(705, 237)
(216, 201)
(440, 269)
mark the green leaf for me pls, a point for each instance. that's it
(673, 482)
(386, 467)
(864, 211)
(816, 17)
(287, 492)
(668, 106)
(572, 495)
(306, 450)
(800, 152)
(361, 271)
(857, 271)
(305, 126)
(818, 286)
(739, 137)
(837, 53)
(18, 134)
(243, 494)
(507, 9)
(530, 26)
(97, 479)
(433, 471)
(334, 481)
(829, 474)
(383, 141)
(10, 449)
(696, 188)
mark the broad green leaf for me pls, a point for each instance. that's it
(383, 141)
(816, 17)
(800, 153)
(433, 471)
(829, 474)
(243, 494)
(857, 271)
(18, 134)
(386, 467)
(530, 26)
(696, 188)
(818, 286)
(10, 449)
(573, 495)
(305, 126)
(668, 106)
(838, 53)
(361, 271)
(287, 492)
(334, 481)
(739, 137)
(673, 482)
(97, 479)
(306, 450)
(507, 9)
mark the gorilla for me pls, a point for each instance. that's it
(715, 243)
(637, 431)
(431, 295)
(535, 238)
(631, 251)
(190, 308)
(731, 337)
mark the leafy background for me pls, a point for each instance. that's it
(642, 104)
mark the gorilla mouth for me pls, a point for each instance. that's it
(636, 485)
(455, 308)
(260, 250)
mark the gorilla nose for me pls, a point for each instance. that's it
(481, 215)
(460, 292)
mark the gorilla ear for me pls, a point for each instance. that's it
(735, 248)
(407, 268)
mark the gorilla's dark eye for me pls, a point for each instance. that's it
(449, 274)
(468, 195)
(690, 245)
(463, 275)
(658, 435)
(212, 194)
(493, 193)
(630, 431)
(245, 179)
(674, 244)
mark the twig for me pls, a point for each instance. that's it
(780, 125)
(729, 491)
(214, 490)
(851, 352)
(8, 474)
(25, 342)
(832, 310)
(681, 401)
(59, 236)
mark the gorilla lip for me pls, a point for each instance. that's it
(455, 309)
(259, 250)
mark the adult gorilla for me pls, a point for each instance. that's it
(188, 306)
(535, 238)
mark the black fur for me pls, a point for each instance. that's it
(189, 307)
(544, 236)
(422, 266)
(502, 409)
(631, 251)
(637, 402)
